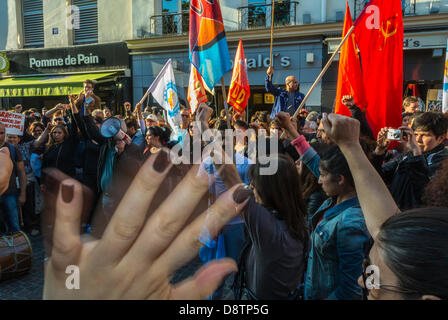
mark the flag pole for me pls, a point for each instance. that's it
(272, 31)
(224, 94)
(324, 70)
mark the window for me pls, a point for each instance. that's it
(33, 23)
(259, 11)
(256, 14)
(173, 21)
(87, 30)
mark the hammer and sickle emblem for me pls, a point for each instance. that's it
(390, 30)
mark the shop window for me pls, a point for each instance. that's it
(33, 23)
(86, 31)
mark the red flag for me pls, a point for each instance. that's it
(379, 34)
(350, 74)
(196, 89)
(239, 92)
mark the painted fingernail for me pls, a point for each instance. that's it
(67, 191)
(241, 194)
(162, 161)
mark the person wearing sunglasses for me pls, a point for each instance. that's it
(409, 258)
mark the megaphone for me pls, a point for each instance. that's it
(111, 128)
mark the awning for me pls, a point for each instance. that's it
(47, 85)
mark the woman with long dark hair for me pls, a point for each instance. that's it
(156, 138)
(339, 236)
(60, 149)
(273, 259)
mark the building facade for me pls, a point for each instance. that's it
(51, 47)
(306, 35)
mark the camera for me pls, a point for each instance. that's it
(394, 134)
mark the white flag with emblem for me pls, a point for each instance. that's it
(164, 91)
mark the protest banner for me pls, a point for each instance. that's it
(14, 122)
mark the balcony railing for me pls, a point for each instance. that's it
(259, 15)
(170, 23)
(410, 7)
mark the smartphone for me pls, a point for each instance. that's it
(395, 134)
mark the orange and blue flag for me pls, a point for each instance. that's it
(208, 44)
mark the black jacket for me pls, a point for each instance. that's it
(62, 155)
(408, 175)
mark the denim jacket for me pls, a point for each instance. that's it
(339, 244)
(281, 99)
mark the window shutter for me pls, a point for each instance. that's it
(88, 22)
(33, 23)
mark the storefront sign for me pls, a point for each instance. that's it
(424, 42)
(79, 60)
(70, 59)
(410, 41)
(14, 122)
(261, 61)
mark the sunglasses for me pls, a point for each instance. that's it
(58, 119)
(185, 116)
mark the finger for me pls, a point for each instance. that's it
(67, 225)
(129, 218)
(205, 281)
(187, 244)
(167, 221)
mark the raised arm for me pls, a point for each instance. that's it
(307, 153)
(43, 137)
(268, 83)
(376, 201)
(59, 107)
(141, 121)
(128, 111)
(357, 114)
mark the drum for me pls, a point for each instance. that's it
(16, 255)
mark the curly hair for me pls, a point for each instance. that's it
(51, 141)
(37, 124)
(435, 194)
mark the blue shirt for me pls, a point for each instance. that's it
(282, 102)
(138, 138)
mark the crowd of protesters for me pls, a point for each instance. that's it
(339, 202)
